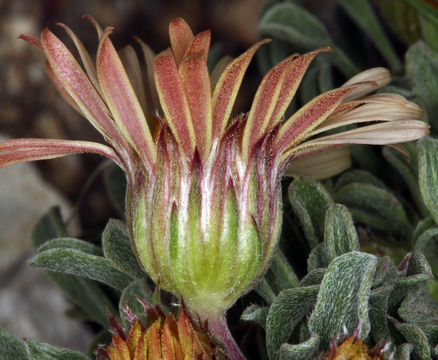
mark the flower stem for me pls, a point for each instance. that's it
(219, 329)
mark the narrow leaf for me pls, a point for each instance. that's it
(70, 261)
(363, 14)
(285, 313)
(12, 348)
(39, 350)
(117, 249)
(343, 297)
(304, 351)
(310, 201)
(428, 174)
(340, 235)
(257, 314)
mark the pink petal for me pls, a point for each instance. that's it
(377, 134)
(180, 36)
(72, 78)
(227, 88)
(200, 43)
(320, 163)
(33, 40)
(96, 25)
(263, 106)
(173, 101)
(122, 101)
(22, 150)
(84, 55)
(312, 114)
(291, 82)
(193, 72)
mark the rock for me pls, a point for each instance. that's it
(31, 306)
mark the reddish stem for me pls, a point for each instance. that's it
(219, 329)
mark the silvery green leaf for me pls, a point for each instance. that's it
(428, 174)
(39, 350)
(375, 207)
(284, 275)
(314, 277)
(317, 259)
(363, 14)
(304, 351)
(403, 352)
(118, 250)
(74, 262)
(130, 297)
(419, 308)
(264, 289)
(310, 202)
(416, 337)
(343, 297)
(339, 234)
(257, 314)
(49, 227)
(12, 348)
(378, 312)
(71, 243)
(292, 23)
(422, 68)
(359, 176)
(285, 313)
(386, 272)
(83, 292)
(423, 225)
(407, 166)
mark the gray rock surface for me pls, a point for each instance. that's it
(30, 305)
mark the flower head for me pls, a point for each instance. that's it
(164, 338)
(203, 204)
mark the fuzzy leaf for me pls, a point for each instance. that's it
(83, 292)
(313, 277)
(117, 249)
(404, 352)
(257, 314)
(343, 298)
(12, 348)
(39, 350)
(310, 202)
(378, 312)
(49, 227)
(74, 262)
(303, 351)
(363, 14)
(290, 22)
(376, 207)
(407, 166)
(317, 258)
(71, 243)
(284, 276)
(428, 174)
(137, 289)
(419, 308)
(422, 68)
(285, 313)
(340, 234)
(265, 290)
(358, 176)
(416, 337)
